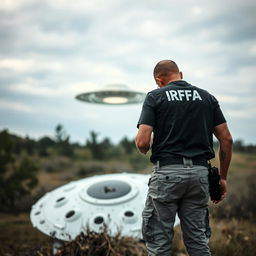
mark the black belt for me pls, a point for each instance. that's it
(179, 160)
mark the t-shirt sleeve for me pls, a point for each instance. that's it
(218, 117)
(147, 115)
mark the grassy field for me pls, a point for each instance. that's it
(232, 221)
(229, 238)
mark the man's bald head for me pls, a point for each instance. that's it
(165, 67)
(165, 72)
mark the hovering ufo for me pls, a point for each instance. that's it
(114, 94)
(114, 200)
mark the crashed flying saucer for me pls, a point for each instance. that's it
(114, 94)
(114, 200)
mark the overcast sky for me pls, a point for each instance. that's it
(53, 50)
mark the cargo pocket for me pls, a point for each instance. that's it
(199, 219)
(167, 185)
(202, 222)
(148, 225)
(204, 183)
(152, 186)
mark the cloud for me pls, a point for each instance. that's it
(15, 106)
(32, 88)
(18, 65)
(54, 50)
(240, 114)
(228, 98)
(9, 5)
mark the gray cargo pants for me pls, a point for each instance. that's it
(181, 189)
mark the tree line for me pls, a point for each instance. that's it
(60, 144)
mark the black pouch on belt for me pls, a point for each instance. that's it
(214, 183)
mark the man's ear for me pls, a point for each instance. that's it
(159, 82)
(181, 75)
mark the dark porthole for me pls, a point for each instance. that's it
(37, 213)
(128, 214)
(98, 220)
(42, 222)
(70, 214)
(60, 199)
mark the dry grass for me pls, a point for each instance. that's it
(233, 238)
(19, 238)
(103, 245)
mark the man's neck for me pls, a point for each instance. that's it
(173, 80)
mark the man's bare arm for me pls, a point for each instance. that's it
(143, 138)
(225, 153)
(225, 150)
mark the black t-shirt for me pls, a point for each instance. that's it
(183, 117)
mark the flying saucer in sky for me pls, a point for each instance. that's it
(113, 94)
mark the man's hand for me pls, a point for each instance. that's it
(223, 189)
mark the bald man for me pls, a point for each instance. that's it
(181, 119)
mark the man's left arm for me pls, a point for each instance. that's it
(143, 138)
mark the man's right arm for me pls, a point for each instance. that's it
(225, 153)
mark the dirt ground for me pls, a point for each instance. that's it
(18, 237)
